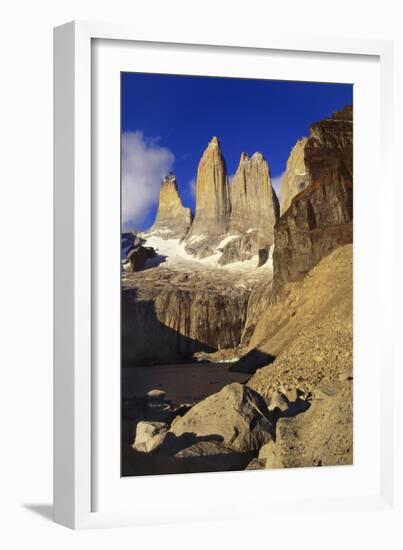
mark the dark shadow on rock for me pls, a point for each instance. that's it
(147, 341)
(295, 407)
(155, 261)
(172, 443)
(143, 464)
(43, 510)
(252, 361)
(163, 460)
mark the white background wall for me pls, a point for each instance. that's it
(26, 267)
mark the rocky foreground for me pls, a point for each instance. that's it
(297, 411)
(211, 289)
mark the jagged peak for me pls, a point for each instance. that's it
(169, 178)
(169, 181)
(258, 156)
(215, 142)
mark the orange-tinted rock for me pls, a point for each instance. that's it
(254, 204)
(211, 219)
(173, 220)
(295, 178)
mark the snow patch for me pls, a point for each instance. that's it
(225, 242)
(196, 238)
(173, 250)
(246, 265)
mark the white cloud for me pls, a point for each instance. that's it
(144, 165)
(276, 183)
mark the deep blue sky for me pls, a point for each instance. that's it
(182, 113)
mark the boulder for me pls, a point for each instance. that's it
(204, 448)
(236, 416)
(321, 436)
(156, 395)
(149, 436)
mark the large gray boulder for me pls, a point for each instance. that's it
(236, 416)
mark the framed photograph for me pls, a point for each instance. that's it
(218, 237)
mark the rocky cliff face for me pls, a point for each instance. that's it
(295, 178)
(173, 220)
(319, 218)
(211, 219)
(168, 315)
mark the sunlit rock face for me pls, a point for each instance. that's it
(254, 210)
(296, 177)
(212, 212)
(173, 220)
(254, 204)
(319, 218)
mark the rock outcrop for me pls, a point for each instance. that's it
(321, 436)
(134, 255)
(212, 211)
(296, 177)
(173, 220)
(237, 417)
(319, 218)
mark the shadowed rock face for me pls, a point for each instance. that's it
(319, 218)
(210, 223)
(173, 219)
(168, 315)
(295, 178)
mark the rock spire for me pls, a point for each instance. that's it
(173, 219)
(254, 204)
(212, 200)
(295, 178)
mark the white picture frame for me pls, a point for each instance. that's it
(76, 390)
